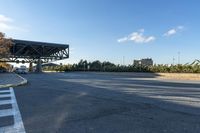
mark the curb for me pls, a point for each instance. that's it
(14, 85)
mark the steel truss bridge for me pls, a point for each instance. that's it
(37, 52)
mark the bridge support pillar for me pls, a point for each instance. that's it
(39, 66)
(31, 67)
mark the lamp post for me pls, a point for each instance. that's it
(178, 58)
(173, 61)
(123, 60)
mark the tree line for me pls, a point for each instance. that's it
(107, 66)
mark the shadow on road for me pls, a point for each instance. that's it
(90, 102)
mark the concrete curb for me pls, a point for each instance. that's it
(14, 85)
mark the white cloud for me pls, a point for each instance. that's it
(137, 37)
(4, 19)
(173, 31)
(124, 39)
(151, 38)
(180, 27)
(4, 27)
(6, 24)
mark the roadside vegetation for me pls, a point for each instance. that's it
(106, 66)
(5, 44)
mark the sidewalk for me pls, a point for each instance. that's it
(11, 79)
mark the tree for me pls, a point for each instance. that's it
(95, 65)
(5, 44)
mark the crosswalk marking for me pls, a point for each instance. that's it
(4, 91)
(6, 112)
(3, 102)
(18, 126)
(4, 95)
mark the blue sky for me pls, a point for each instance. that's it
(109, 29)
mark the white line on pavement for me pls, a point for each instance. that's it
(18, 126)
(6, 112)
(4, 91)
(5, 102)
(4, 95)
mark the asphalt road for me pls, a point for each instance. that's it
(108, 103)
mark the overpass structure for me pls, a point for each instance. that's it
(37, 52)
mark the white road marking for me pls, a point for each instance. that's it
(4, 91)
(6, 112)
(3, 102)
(4, 95)
(18, 126)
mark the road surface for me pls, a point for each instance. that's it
(81, 102)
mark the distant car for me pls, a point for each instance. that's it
(21, 70)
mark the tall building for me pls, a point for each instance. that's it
(143, 62)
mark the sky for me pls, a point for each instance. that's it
(109, 30)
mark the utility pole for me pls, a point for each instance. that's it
(173, 61)
(123, 60)
(178, 58)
